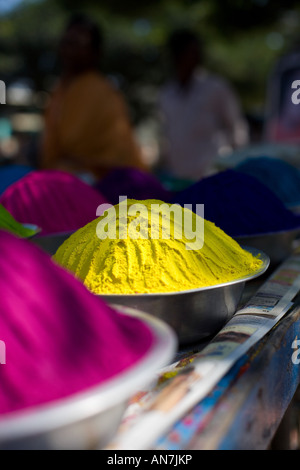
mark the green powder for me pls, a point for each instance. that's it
(8, 223)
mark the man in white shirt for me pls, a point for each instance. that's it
(201, 114)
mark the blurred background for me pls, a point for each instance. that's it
(243, 42)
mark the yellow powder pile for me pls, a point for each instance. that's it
(119, 265)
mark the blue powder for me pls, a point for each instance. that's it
(11, 173)
(239, 204)
(278, 175)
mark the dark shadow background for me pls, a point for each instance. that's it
(243, 41)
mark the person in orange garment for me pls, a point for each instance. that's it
(87, 127)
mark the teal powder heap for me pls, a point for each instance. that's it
(280, 176)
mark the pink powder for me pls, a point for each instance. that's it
(54, 200)
(60, 339)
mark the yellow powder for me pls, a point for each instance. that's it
(146, 265)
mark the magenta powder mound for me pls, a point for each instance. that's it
(55, 201)
(133, 183)
(60, 339)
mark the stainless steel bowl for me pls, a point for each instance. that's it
(90, 419)
(295, 208)
(277, 245)
(51, 243)
(193, 314)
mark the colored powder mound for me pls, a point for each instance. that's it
(53, 200)
(59, 338)
(116, 265)
(7, 222)
(278, 175)
(239, 204)
(10, 173)
(132, 183)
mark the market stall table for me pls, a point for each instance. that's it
(253, 396)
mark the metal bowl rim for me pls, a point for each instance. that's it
(292, 205)
(264, 234)
(265, 264)
(54, 235)
(115, 391)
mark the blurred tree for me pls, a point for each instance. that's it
(234, 17)
(243, 40)
(28, 42)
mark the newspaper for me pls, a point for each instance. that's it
(182, 385)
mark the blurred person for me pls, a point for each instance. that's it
(201, 115)
(87, 127)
